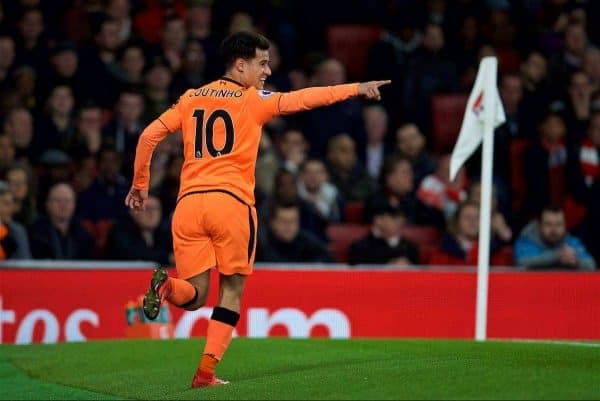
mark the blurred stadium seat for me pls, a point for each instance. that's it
(341, 236)
(350, 45)
(447, 112)
(574, 212)
(99, 230)
(353, 212)
(422, 235)
(518, 147)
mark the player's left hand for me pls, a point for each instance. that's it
(136, 199)
(370, 90)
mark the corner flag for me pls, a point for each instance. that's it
(484, 113)
(471, 130)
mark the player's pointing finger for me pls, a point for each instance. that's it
(380, 83)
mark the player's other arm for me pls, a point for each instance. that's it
(169, 121)
(310, 98)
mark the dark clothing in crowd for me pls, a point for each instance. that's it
(49, 243)
(374, 250)
(125, 242)
(304, 248)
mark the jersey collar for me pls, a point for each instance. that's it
(231, 80)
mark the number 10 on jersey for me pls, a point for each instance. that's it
(210, 124)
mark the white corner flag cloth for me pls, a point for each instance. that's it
(471, 130)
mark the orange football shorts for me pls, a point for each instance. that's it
(213, 228)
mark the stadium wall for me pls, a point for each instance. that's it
(86, 301)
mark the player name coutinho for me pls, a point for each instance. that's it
(217, 92)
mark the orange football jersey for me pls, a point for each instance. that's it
(221, 124)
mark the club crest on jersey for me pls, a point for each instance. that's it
(264, 94)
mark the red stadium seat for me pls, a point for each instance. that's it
(425, 253)
(353, 212)
(518, 147)
(447, 112)
(503, 257)
(350, 45)
(422, 235)
(102, 229)
(99, 230)
(574, 212)
(341, 236)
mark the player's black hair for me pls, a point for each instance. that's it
(242, 44)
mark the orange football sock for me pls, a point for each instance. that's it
(218, 338)
(181, 292)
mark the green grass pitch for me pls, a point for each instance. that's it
(279, 369)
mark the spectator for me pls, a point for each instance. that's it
(429, 72)
(545, 243)
(376, 123)
(536, 90)
(192, 73)
(315, 189)
(104, 199)
(570, 59)
(397, 189)
(410, 144)
(267, 165)
(585, 164)
(16, 233)
(132, 62)
(500, 226)
(119, 11)
(7, 243)
(25, 87)
(100, 61)
(7, 59)
(577, 113)
(172, 43)
(58, 234)
(285, 191)
(55, 166)
(384, 244)
(546, 162)
(7, 153)
(591, 67)
(390, 55)
(460, 244)
(199, 17)
(64, 70)
(19, 179)
(168, 188)
(88, 130)
(347, 174)
(441, 194)
(124, 129)
(285, 242)
(32, 48)
(321, 124)
(157, 98)
(293, 149)
(18, 124)
(56, 129)
(142, 237)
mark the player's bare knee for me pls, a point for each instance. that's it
(198, 302)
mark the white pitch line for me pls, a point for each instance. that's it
(571, 343)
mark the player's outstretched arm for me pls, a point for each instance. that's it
(310, 98)
(152, 135)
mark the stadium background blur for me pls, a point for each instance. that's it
(79, 80)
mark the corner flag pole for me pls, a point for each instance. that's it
(483, 114)
(489, 101)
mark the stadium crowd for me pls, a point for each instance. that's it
(354, 182)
